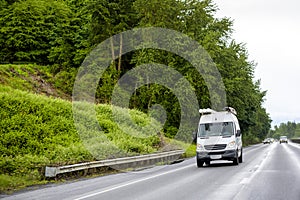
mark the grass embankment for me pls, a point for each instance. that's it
(36, 131)
(38, 79)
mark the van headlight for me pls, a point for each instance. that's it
(231, 145)
(200, 147)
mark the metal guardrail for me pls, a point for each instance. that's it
(127, 161)
(296, 140)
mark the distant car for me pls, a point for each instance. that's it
(283, 139)
(267, 141)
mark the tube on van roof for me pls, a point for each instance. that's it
(206, 111)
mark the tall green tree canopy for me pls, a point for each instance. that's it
(62, 32)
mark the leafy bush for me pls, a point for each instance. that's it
(37, 79)
(36, 131)
(250, 139)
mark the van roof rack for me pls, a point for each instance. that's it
(230, 109)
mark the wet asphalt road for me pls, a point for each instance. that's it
(269, 171)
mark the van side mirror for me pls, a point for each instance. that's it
(194, 136)
(238, 133)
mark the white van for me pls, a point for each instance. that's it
(219, 137)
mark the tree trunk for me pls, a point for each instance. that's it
(120, 52)
(112, 50)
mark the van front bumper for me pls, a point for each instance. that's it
(221, 155)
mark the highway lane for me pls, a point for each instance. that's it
(279, 176)
(270, 171)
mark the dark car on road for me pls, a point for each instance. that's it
(267, 141)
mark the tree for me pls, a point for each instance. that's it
(63, 32)
(109, 18)
(289, 129)
(29, 28)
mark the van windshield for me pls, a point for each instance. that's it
(224, 129)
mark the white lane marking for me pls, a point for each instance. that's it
(257, 168)
(257, 147)
(245, 181)
(255, 172)
(133, 182)
(294, 145)
(292, 154)
(151, 177)
(244, 176)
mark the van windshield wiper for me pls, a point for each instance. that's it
(204, 137)
(226, 136)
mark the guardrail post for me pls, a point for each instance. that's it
(50, 171)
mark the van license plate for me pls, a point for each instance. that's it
(215, 157)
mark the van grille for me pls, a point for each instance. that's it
(216, 153)
(215, 147)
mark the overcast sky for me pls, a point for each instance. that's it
(271, 31)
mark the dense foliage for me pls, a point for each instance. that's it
(36, 131)
(60, 33)
(289, 129)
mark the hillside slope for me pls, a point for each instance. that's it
(36, 130)
(37, 79)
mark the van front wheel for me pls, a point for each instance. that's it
(199, 163)
(241, 157)
(236, 159)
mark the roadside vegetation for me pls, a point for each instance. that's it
(60, 34)
(289, 129)
(37, 79)
(37, 131)
(44, 42)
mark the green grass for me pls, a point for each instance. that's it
(8, 183)
(190, 151)
(37, 79)
(21, 76)
(249, 140)
(36, 131)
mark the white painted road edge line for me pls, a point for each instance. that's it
(143, 179)
(133, 182)
(292, 154)
(294, 145)
(257, 147)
